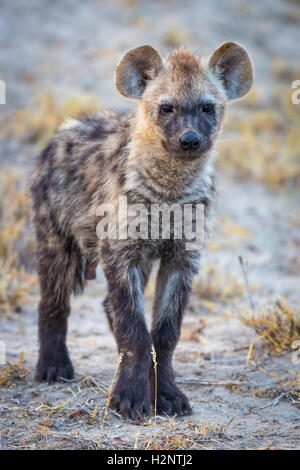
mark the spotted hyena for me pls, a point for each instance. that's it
(162, 151)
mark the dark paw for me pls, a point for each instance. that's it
(171, 401)
(51, 372)
(131, 400)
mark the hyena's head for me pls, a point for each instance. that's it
(182, 99)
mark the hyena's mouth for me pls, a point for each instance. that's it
(187, 155)
(191, 155)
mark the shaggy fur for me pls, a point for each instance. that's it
(138, 155)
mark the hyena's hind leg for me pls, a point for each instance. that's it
(60, 268)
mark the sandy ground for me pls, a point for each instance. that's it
(71, 47)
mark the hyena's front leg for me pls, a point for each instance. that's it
(125, 279)
(173, 288)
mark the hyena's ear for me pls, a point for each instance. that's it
(135, 69)
(231, 64)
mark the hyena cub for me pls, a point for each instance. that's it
(161, 152)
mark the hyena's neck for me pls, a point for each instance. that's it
(162, 178)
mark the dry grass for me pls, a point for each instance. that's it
(188, 435)
(284, 388)
(12, 372)
(289, 390)
(284, 73)
(227, 234)
(278, 327)
(217, 284)
(266, 142)
(154, 360)
(16, 244)
(15, 286)
(38, 122)
(121, 355)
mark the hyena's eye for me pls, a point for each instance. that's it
(207, 108)
(166, 108)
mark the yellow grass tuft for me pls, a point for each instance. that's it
(13, 371)
(277, 327)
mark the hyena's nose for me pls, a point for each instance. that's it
(190, 140)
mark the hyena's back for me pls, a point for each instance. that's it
(75, 166)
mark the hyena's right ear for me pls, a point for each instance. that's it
(232, 65)
(135, 69)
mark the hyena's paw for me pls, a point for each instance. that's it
(170, 400)
(52, 370)
(131, 398)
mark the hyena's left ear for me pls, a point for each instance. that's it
(230, 63)
(135, 69)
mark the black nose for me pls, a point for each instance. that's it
(189, 140)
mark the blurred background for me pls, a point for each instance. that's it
(57, 60)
